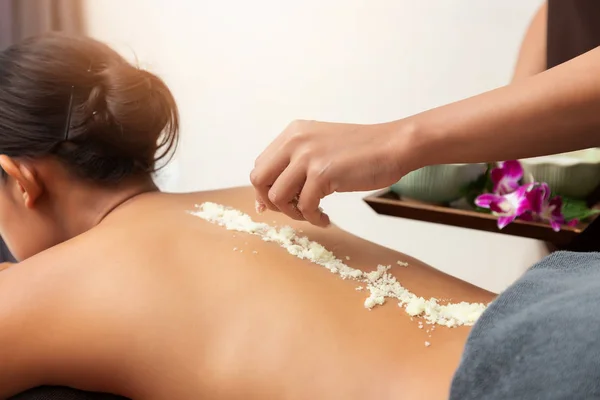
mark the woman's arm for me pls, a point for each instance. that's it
(23, 354)
(532, 54)
(555, 111)
(552, 112)
(55, 330)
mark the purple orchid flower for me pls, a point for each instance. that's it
(527, 216)
(507, 207)
(546, 208)
(538, 197)
(506, 177)
(529, 202)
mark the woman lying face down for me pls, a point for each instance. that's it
(123, 289)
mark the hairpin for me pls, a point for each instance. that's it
(69, 111)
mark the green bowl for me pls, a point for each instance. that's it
(573, 175)
(438, 184)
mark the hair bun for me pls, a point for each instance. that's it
(121, 121)
(96, 103)
(130, 109)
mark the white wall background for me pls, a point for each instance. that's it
(241, 70)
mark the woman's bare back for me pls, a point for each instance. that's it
(156, 303)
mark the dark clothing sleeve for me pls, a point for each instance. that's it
(573, 29)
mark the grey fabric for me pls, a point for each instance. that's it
(540, 338)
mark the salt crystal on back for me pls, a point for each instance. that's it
(380, 283)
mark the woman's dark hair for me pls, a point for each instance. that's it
(77, 99)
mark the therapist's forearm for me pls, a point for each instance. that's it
(552, 112)
(532, 53)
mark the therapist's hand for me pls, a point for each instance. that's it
(311, 160)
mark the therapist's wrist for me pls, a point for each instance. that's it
(411, 145)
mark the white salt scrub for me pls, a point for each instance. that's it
(380, 283)
(259, 207)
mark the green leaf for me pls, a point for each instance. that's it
(577, 209)
(489, 185)
(482, 210)
(482, 184)
(478, 185)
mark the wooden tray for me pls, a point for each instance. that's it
(386, 202)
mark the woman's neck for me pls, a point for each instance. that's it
(85, 206)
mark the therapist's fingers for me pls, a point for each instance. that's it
(271, 163)
(308, 203)
(275, 157)
(284, 192)
(261, 205)
(263, 177)
(276, 147)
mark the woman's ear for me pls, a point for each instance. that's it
(29, 186)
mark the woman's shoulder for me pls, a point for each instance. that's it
(56, 322)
